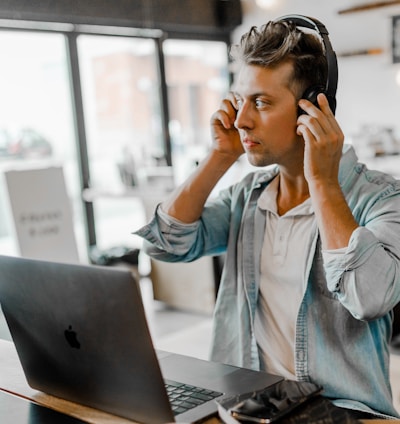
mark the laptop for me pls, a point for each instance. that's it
(81, 334)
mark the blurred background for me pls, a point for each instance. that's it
(119, 95)
(105, 108)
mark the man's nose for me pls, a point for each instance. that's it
(243, 117)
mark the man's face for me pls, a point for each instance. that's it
(267, 115)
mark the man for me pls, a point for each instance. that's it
(312, 245)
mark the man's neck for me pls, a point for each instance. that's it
(292, 191)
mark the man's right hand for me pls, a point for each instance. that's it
(186, 203)
(226, 138)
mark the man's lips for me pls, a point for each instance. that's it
(248, 143)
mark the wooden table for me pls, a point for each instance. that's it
(12, 380)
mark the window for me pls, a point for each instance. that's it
(124, 120)
(36, 126)
(121, 99)
(197, 79)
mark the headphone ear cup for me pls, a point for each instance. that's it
(311, 94)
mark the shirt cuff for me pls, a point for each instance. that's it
(169, 219)
(332, 254)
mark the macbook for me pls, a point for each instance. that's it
(81, 334)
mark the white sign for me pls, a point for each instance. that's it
(42, 216)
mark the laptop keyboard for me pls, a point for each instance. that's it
(183, 397)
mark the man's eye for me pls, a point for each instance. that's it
(259, 103)
(239, 102)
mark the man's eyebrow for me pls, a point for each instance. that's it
(253, 95)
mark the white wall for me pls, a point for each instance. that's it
(368, 93)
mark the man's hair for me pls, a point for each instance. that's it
(278, 42)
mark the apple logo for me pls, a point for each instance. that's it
(71, 337)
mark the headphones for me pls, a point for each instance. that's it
(329, 90)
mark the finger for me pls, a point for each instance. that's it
(324, 104)
(230, 108)
(331, 124)
(320, 121)
(308, 107)
(329, 134)
(220, 117)
(310, 125)
(304, 132)
(232, 98)
(226, 115)
(229, 105)
(314, 110)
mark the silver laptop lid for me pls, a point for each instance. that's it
(81, 334)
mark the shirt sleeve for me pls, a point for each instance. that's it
(332, 254)
(167, 219)
(365, 278)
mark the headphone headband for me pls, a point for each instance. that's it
(319, 27)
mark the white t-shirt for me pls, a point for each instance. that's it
(282, 281)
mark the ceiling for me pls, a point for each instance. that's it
(349, 33)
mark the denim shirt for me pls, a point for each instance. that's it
(344, 323)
